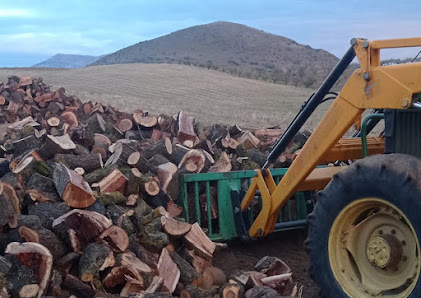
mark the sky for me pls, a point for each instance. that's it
(32, 31)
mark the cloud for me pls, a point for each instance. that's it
(13, 13)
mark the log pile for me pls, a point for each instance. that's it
(87, 198)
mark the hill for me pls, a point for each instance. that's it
(68, 61)
(235, 49)
(208, 95)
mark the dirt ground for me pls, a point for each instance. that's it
(288, 246)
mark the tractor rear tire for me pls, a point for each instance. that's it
(393, 180)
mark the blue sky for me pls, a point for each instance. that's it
(31, 31)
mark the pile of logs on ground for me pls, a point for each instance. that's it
(87, 198)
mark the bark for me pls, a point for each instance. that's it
(72, 188)
(96, 257)
(163, 147)
(9, 203)
(115, 181)
(89, 162)
(187, 273)
(54, 145)
(197, 240)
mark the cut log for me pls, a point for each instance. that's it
(29, 291)
(54, 122)
(54, 145)
(223, 164)
(193, 161)
(157, 160)
(87, 107)
(163, 147)
(25, 81)
(2, 100)
(152, 237)
(89, 163)
(186, 128)
(96, 257)
(121, 152)
(125, 125)
(261, 291)
(195, 292)
(159, 199)
(249, 140)
(205, 145)
(72, 188)
(112, 198)
(176, 228)
(35, 256)
(116, 238)
(78, 287)
(168, 271)
(115, 181)
(134, 182)
(80, 171)
(148, 121)
(9, 203)
(96, 124)
(197, 240)
(138, 161)
(86, 226)
(128, 264)
(232, 290)
(131, 287)
(187, 273)
(212, 276)
(99, 174)
(146, 256)
(70, 118)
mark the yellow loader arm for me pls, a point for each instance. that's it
(370, 87)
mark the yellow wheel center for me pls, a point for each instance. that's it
(374, 250)
(378, 252)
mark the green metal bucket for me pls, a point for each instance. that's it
(224, 192)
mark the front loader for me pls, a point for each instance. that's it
(365, 229)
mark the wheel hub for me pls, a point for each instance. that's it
(384, 251)
(374, 251)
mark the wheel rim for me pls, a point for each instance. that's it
(374, 250)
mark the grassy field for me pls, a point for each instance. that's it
(210, 96)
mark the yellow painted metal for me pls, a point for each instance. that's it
(386, 87)
(319, 178)
(370, 272)
(348, 149)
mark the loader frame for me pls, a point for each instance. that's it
(370, 87)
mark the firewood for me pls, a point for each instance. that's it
(29, 291)
(128, 264)
(249, 140)
(232, 290)
(193, 161)
(116, 238)
(35, 256)
(121, 153)
(152, 237)
(78, 287)
(277, 282)
(48, 212)
(26, 144)
(138, 161)
(28, 234)
(9, 203)
(223, 164)
(157, 160)
(54, 145)
(192, 291)
(176, 228)
(86, 226)
(96, 124)
(131, 287)
(87, 107)
(168, 271)
(146, 256)
(54, 122)
(89, 162)
(99, 174)
(115, 181)
(178, 154)
(147, 121)
(70, 118)
(17, 126)
(272, 266)
(96, 257)
(187, 273)
(72, 188)
(125, 125)
(186, 128)
(97, 108)
(112, 198)
(212, 276)
(80, 171)
(2, 100)
(134, 181)
(159, 199)
(261, 291)
(197, 240)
